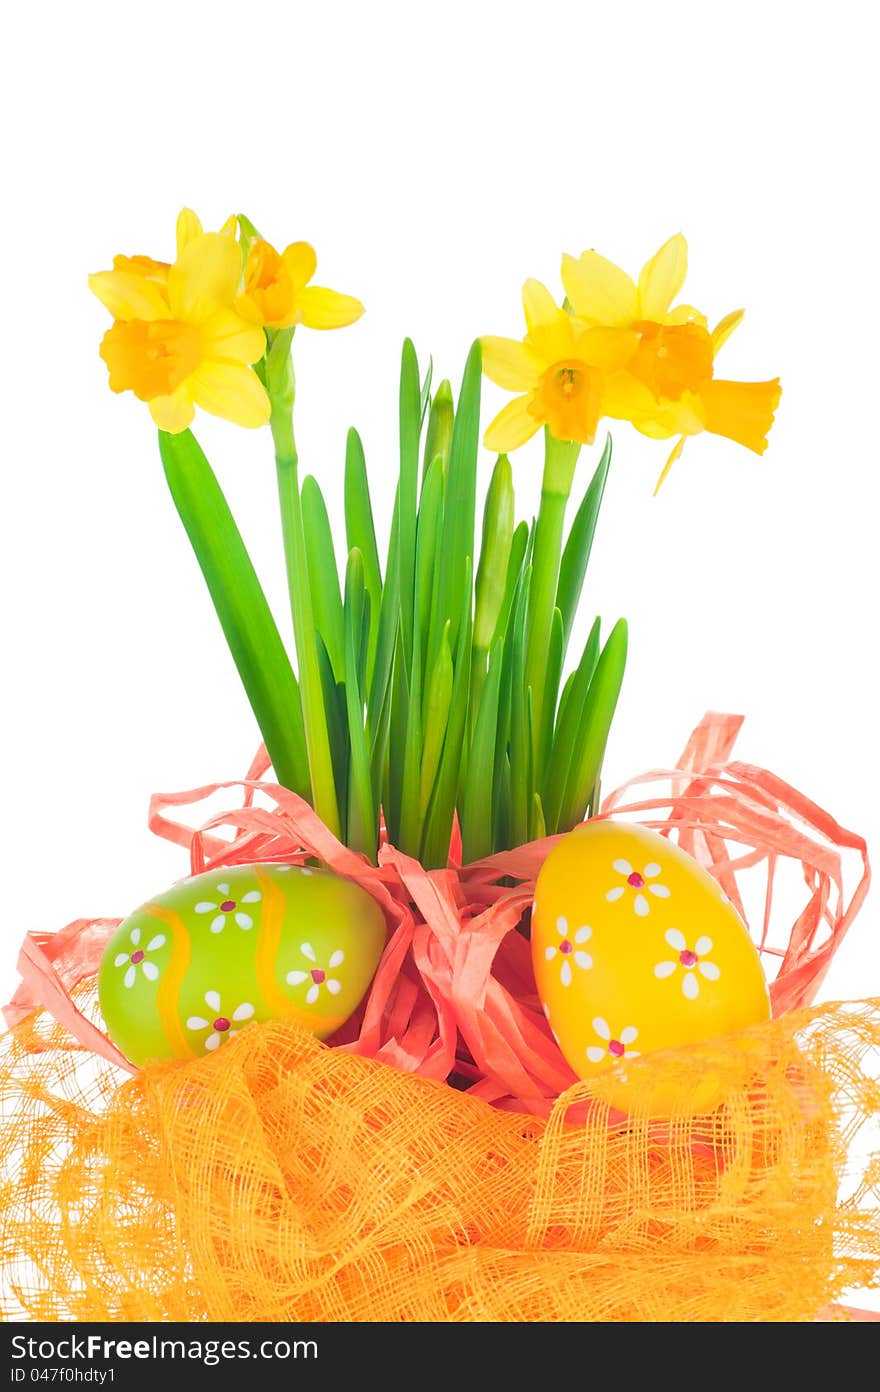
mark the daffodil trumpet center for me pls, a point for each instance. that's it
(268, 287)
(569, 400)
(672, 359)
(150, 358)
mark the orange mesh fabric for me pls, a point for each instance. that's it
(282, 1179)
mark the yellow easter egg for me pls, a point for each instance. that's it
(635, 949)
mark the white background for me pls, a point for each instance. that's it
(435, 158)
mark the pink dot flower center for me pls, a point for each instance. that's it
(616, 1048)
(137, 957)
(688, 958)
(221, 1024)
(636, 880)
(565, 947)
(228, 905)
(318, 976)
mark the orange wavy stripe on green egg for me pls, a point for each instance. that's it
(171, 980)
(280, 1005)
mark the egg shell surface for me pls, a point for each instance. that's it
(187, 970)
(635, 948)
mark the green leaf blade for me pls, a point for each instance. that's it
(410, 432)
(241, 606)
(438, 705)
(438, 827)
(388, 627)
(551, 697)
(363, 821)
(578, 546)
(595, 724)
(564, 751)
(457, 545)
(323, 575)
(476, 804)
(360, 535)
(438, 436)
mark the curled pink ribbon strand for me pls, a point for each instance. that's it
(454, 995)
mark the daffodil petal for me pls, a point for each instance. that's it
(674, 454)
(624, 397)
(129, 296)
(685, 314)
(510, 364)
(143, 266)
(175, 412)
(539, 306)
(599, 292)
(230, 391)
(188, 228)
(654, 427)
(609, 349)
(686, 416)
(743, 411)
(226, 335)
(552, 332)
(204, 277)
(558, 341)
(662, 277)
(230, 226)
(300, 262)
(511, 427)
(319, 308)
(722, 330)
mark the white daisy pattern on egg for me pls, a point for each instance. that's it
(227, 907)
(137, 957)
(316, 975)
(218, 1025)
(640, 883)
(692, 960)
(570, 949)
(614, 1047)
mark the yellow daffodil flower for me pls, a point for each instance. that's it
(668, 386)
(188, 228)
(145, 267)
(559, 370)
(277, 293)
(177, 342)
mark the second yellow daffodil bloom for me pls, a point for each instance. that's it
(177, 342)
(668, 386)
(277, 292)
(559, 370)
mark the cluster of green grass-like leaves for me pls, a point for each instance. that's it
(437, 687)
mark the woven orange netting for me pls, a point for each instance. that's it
(437, 1161)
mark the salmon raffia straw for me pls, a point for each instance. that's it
(454, 993)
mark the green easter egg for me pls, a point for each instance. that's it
(189, 969)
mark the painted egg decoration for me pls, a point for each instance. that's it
(190, 968)
(635, 948)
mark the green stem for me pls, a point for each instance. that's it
(560, 458)
(238, 598)
(282, 390)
